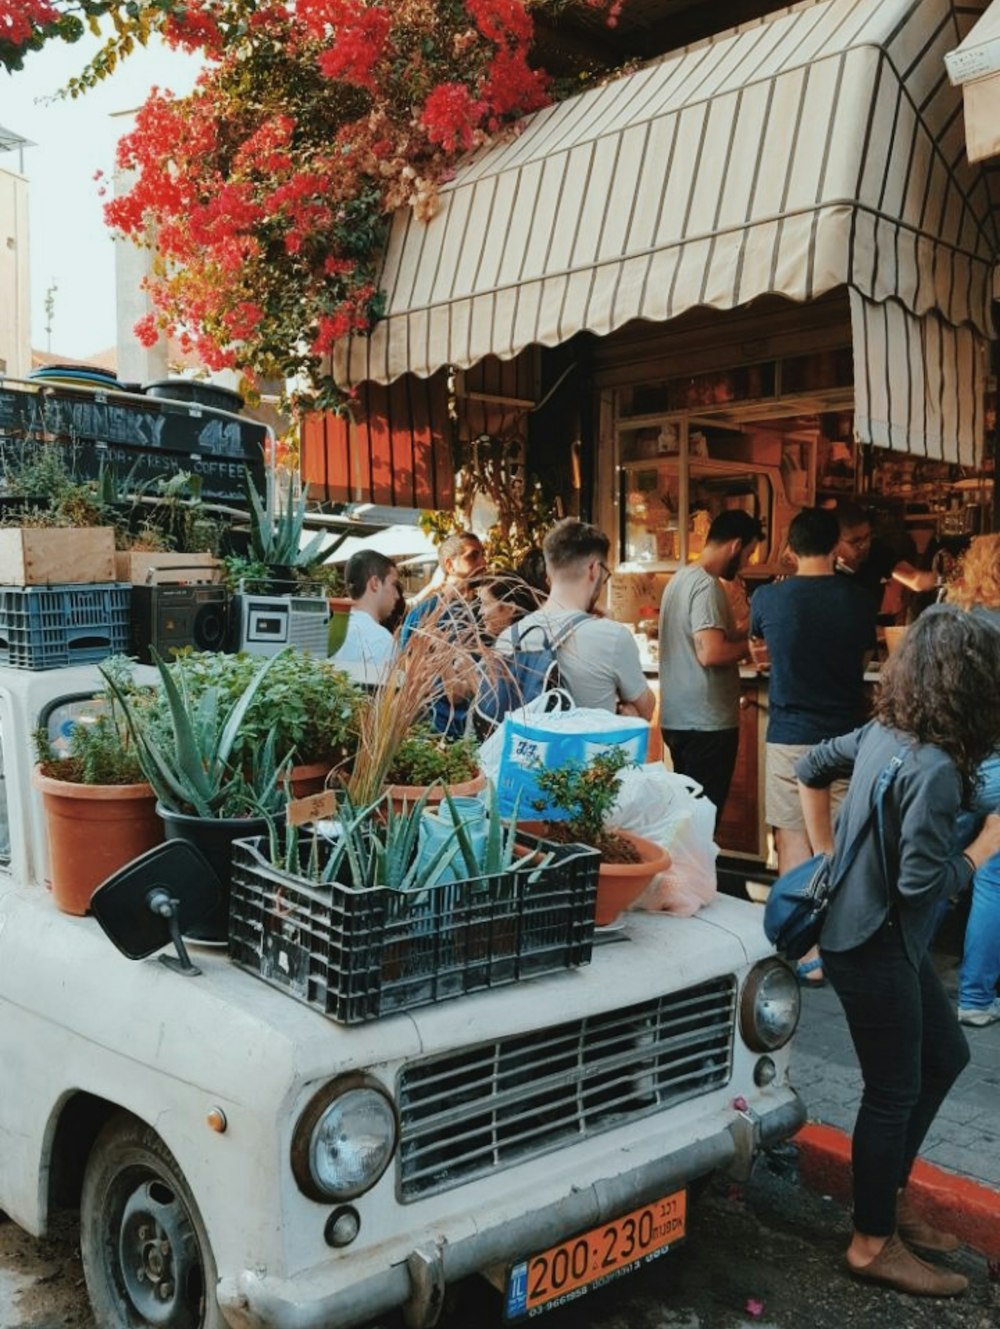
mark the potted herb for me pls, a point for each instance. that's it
(308, 705)
(100, 811)
(429, 764)
(585, 794)
(210, 790)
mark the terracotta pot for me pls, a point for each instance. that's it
(309, 779)
(412, 793)
(619, 885)
(93, 830)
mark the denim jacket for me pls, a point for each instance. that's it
(923, 861)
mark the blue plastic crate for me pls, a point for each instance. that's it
(45, 627)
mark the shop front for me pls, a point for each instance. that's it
(770, 265)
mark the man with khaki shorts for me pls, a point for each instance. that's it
(817, 631)
(782, 807)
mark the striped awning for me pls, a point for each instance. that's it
(974, 66)
(818, 147)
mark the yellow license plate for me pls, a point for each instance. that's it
(567, 1271)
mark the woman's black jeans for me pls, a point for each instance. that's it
(911, 1049)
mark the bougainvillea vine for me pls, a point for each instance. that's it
(266, 192)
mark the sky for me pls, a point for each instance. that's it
(70, 246)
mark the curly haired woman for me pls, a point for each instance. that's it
(938, 711)
(976, 587)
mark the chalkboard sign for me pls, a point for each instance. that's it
(157, 437)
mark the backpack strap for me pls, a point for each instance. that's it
(875, 813)
(567, 630)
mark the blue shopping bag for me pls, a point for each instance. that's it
(547, 741)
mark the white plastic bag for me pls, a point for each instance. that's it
(672, 811)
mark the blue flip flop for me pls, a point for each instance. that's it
(806, 967)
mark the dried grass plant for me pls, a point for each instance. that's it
(446, 656)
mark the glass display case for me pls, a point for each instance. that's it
(663, 526)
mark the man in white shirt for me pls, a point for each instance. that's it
(373, 585)
(598, 658)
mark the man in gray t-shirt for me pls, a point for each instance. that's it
(598, 660)
(700, 651)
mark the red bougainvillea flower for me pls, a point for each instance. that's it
(267, 191)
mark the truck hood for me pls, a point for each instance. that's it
(232, 1034)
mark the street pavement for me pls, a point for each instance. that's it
(964, 1141)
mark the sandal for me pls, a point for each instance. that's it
(806, 967)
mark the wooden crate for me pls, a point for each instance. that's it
(53, 556)
(144, 568)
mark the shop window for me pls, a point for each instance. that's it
(652, 508)
(823, 369)
(719, 388)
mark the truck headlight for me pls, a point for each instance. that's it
(770, 1005)
(344, 1140)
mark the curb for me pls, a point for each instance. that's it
(947, 1199)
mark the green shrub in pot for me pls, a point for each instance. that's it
(305, 702)
(425, 757)
(198, 762)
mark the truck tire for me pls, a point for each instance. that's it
(146, 1256)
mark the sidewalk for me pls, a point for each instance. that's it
(963, 1147)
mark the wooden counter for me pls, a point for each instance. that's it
(742, 830)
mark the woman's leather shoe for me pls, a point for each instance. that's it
(897, 1267)
(916, 1231)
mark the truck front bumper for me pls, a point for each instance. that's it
(254, 1301)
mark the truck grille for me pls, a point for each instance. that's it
(496, 1104)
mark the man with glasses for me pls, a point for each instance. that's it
(869, 562)
(598, 658)
(700, 653)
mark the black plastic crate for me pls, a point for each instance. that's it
(45, 627)
(357, 955)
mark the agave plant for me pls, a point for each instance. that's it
(379, 846)
(500, 851)
(276, 542)
(194, 770)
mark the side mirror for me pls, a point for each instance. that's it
(154, 899)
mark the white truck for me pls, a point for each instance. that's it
(238, 1159)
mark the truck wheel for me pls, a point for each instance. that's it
(146, 1256)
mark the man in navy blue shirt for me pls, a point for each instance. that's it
(818, 630)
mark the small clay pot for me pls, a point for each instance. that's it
(412, 793)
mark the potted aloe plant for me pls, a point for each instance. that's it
(100, 811)
(276, 542)
(309, 705)
(583, 795)
(209, 790)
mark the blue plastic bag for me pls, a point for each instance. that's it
(548, 740)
